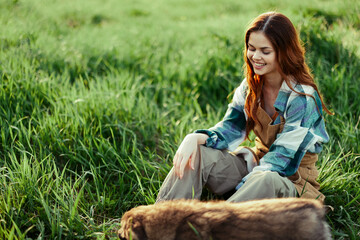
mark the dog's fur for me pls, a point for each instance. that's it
(291, 218)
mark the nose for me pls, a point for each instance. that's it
(256, 55)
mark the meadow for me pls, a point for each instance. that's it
(96, 96)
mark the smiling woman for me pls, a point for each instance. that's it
(262, 55)
(280, 102)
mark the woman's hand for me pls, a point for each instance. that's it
(186, 154)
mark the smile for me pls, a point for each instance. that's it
(259, 64)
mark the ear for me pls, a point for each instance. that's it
(137, 231)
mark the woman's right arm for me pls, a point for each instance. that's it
(228, 133)
(186, 153)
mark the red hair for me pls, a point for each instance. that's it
(290, 56)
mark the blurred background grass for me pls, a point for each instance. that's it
(95, 97)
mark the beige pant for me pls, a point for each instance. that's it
(221, 172)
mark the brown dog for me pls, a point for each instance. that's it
(291, 218)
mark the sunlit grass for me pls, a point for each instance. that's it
(96, 96)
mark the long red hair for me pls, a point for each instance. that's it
(290, 55)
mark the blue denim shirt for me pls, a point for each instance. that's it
(304, 128)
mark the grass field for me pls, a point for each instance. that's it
(95, 97)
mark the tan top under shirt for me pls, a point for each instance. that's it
(305, 177)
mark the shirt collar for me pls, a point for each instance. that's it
(283, 96)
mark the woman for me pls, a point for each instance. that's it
(280, 102)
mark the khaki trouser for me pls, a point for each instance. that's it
(221, 172)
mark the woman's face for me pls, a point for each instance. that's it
(261, 54)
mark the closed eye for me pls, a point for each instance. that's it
(265, 50)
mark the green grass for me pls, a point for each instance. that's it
(95, 97)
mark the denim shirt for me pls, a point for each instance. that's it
(304, 128)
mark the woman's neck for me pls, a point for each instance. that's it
(273, 82)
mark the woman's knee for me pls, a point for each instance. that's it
(208, 156)
(271, 179)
